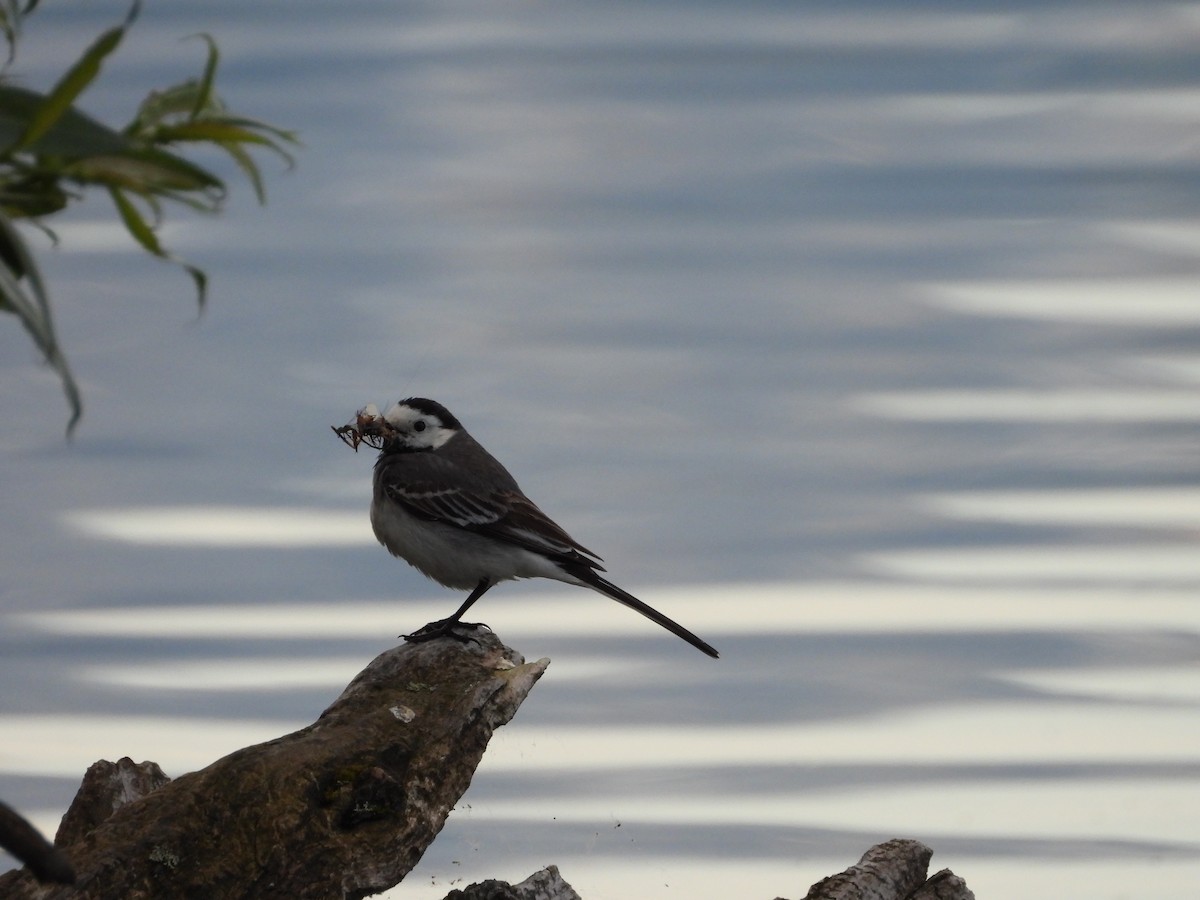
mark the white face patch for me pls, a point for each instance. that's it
(420, 430)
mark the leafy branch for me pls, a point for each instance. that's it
(51, 153)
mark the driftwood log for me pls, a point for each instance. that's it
(547, 884)
(26, 843)
(893, 870)
(344, 808)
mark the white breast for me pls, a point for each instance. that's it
(453, 557)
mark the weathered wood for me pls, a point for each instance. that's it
(342, 808)
(893, 870)
(26, 843)
(945, 885)
(107, 786)
(547, 884)
(346, 807)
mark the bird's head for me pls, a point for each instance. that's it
(418, 424)
(409, 426)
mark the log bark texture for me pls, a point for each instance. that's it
(346, 807)
(26, 844)
(893, 870)
(343, 808)
(547, 884)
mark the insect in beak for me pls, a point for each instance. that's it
(367, 427)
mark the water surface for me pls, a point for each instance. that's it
(861, 340)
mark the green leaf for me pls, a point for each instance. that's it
(73, 83)
(135, 223)
(10, 25)
(50, 152)
(32, 306)
(146, 171)
(73, 134)
(160, 107)
(279, 134)
(204, 92)
(217, 130)
(31, 196)
(20, 263)
(143, 233)
(11, 14)
(249, 168)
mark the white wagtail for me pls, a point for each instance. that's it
(445, 505)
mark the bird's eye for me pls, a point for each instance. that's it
(419, 425)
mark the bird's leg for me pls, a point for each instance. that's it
(446, 627)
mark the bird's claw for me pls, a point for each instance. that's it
(451, 628)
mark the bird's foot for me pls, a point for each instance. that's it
(451, 628)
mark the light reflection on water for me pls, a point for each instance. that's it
(1173, 507)
(1047, 406)
(1149, 303)
(774, 301)
(994, 733)
(1047, 563)
(763, 610)
(230, 526)
(1079, 744)
(1084, 808)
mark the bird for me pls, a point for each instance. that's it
(446, 506)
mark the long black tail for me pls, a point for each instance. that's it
(594, 581)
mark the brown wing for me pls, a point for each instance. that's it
(507, 516)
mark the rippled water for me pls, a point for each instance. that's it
(861, 340)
